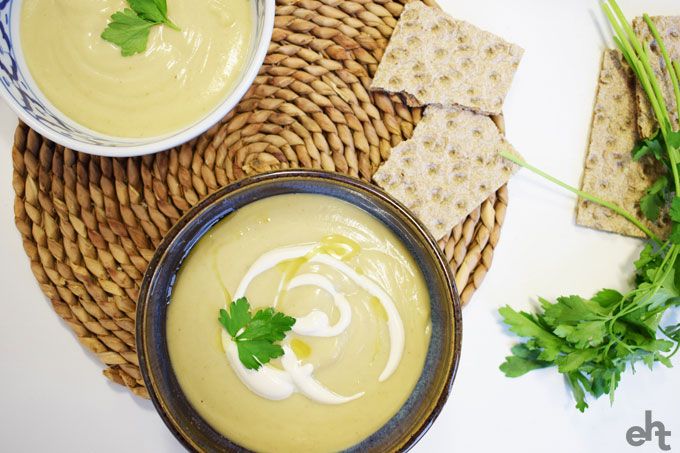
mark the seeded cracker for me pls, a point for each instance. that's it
(669, 30)
(435, 59)
(449, 167)
(610, 172)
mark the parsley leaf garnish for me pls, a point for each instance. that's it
(237, 317)
(255, 335)
(155, 11)
(129, 29)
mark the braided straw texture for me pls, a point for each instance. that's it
(90, 225)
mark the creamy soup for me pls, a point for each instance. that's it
(182, 76)
(360, 338)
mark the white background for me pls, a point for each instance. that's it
(54, 397)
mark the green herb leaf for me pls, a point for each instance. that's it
(148, 10)
(673, 140)
(522, 361)
(575, 381)
(237, 317)
(267, 325)
(152, 10)
(674, 211)
(654, 199)
(574, 309)
(674, 332)
(591, 341)
(525, 325)
(607, 298)
(604, 379)
(653, 296)
(255, 353)
(585, 334)
(649, 258)
(255, 336)
(652, 146)
(674, 237)
(128, 31)
(162, 7)
(574, 360)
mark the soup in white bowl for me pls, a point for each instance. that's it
(183, 73)
(24, 95)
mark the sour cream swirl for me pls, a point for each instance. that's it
(295, 377)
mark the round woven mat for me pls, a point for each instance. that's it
(90, 225)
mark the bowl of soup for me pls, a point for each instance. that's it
(298, 311)
(148, 87)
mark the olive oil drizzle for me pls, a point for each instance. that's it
(336, 245)
(218, 276)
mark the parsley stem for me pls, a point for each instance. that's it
(673, 74)
(172, 25)
(666, 267)
(621, 324)
(666, 59)
(677, 345)
(634, 61)
(617, 209)
(627, 35)
(638, 57)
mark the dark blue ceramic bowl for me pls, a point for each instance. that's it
(434, 385)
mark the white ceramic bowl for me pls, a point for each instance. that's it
(21, 93)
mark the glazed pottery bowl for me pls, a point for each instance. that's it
(20, 92)
(432, 389)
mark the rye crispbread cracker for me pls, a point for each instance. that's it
(669, 30)
(448, 168)
(435, 59)
(610, 172)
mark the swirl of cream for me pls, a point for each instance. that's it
(316, 323)
(275, 384)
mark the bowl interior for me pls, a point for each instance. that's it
(431, 390)
(22, 94)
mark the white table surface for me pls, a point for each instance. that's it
(54, 397)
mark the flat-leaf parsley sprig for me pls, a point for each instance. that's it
(129, 29)
(592, 341)
(255, 335)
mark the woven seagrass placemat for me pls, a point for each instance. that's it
(90, 224)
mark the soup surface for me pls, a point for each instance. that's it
(182, 76)
(353, 365)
